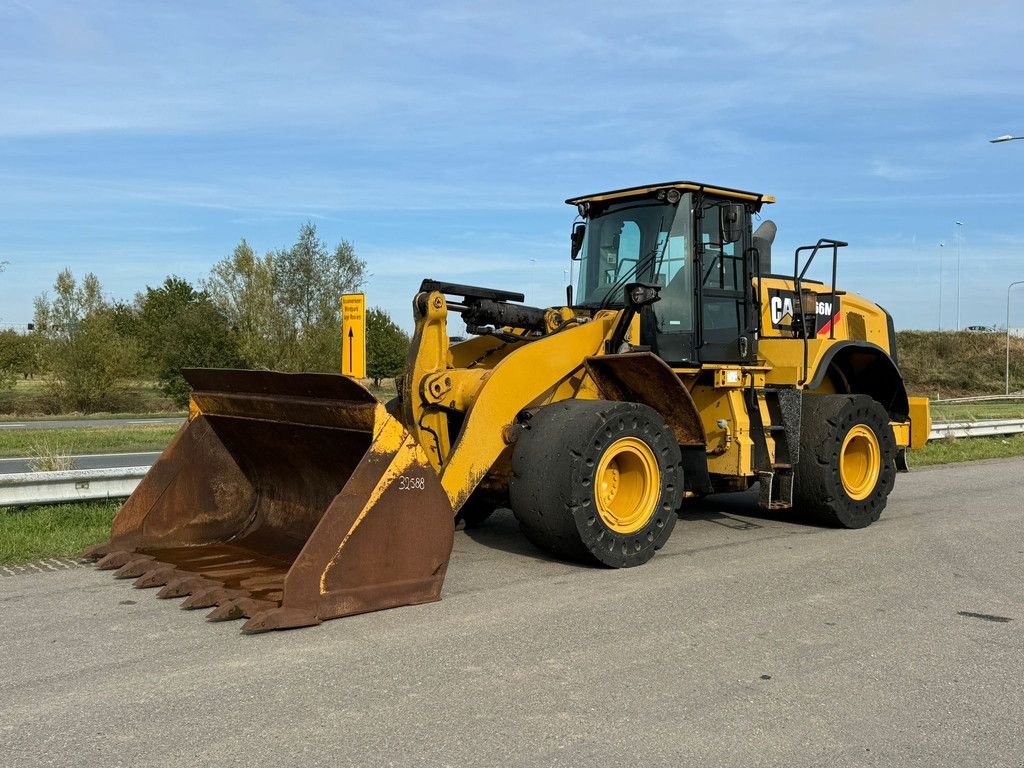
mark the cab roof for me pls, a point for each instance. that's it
(687, 186)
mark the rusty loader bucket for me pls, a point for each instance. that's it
(287, 499)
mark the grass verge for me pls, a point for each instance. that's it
(969, 449)
(82, 440)
(58, 530)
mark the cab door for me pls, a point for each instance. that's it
(724, 289)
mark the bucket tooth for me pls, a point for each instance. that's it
(251, 606)
(229, 610)
(279, 618)
(118, 558)
(208, 598)
(92, 554)
(238, 608)
(136, 567)
(185, 585)
(156, 577)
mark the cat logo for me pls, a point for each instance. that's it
(782, 309)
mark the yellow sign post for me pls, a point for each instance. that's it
(353, 335)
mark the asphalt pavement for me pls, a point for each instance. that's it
(88, 461)
(78, 423)
(750, 640)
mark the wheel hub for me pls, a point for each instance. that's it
(860, 462)
(628, 485)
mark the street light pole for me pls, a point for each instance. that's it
(959, 226)
(941, 247)
(1001, 139)
(1008, 289)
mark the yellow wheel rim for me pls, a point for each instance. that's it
(627, 485)
(860, 462)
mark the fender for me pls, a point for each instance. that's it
(643, 377)
(864, 368)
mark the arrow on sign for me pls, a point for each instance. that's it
(351, 361)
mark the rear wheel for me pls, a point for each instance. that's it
(847, 464)
(597, 481)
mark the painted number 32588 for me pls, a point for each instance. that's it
(406, 483)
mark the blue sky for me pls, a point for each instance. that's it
(142, 139)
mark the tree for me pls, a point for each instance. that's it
(310, 278)
(241, 286)
(10, 363)
(71, 304)
(387, 346)
(179, 327)
(19, 355)
(285, 304)
(88, 359)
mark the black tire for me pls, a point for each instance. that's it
(819, 490)
(552, 489)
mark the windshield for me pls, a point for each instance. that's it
(647, 241)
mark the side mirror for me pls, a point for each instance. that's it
(579, 230)
(733, 222)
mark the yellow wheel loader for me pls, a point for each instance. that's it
(685, 362)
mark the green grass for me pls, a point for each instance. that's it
(969, 449)
(32, 397)
(60, 530)
(82, 440)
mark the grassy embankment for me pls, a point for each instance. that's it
(948, 364)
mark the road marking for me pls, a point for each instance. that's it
(12, 426)
(110, 455)
(61, 563)
(86, 456)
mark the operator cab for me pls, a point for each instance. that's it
(691, 240)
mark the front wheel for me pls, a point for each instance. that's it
(597, 481)
(847, 465)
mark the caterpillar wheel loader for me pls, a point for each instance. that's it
(685, 362)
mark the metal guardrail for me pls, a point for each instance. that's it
(978, 399)
(982, 428)
(21, 488)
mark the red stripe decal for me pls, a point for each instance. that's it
(827, 327)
